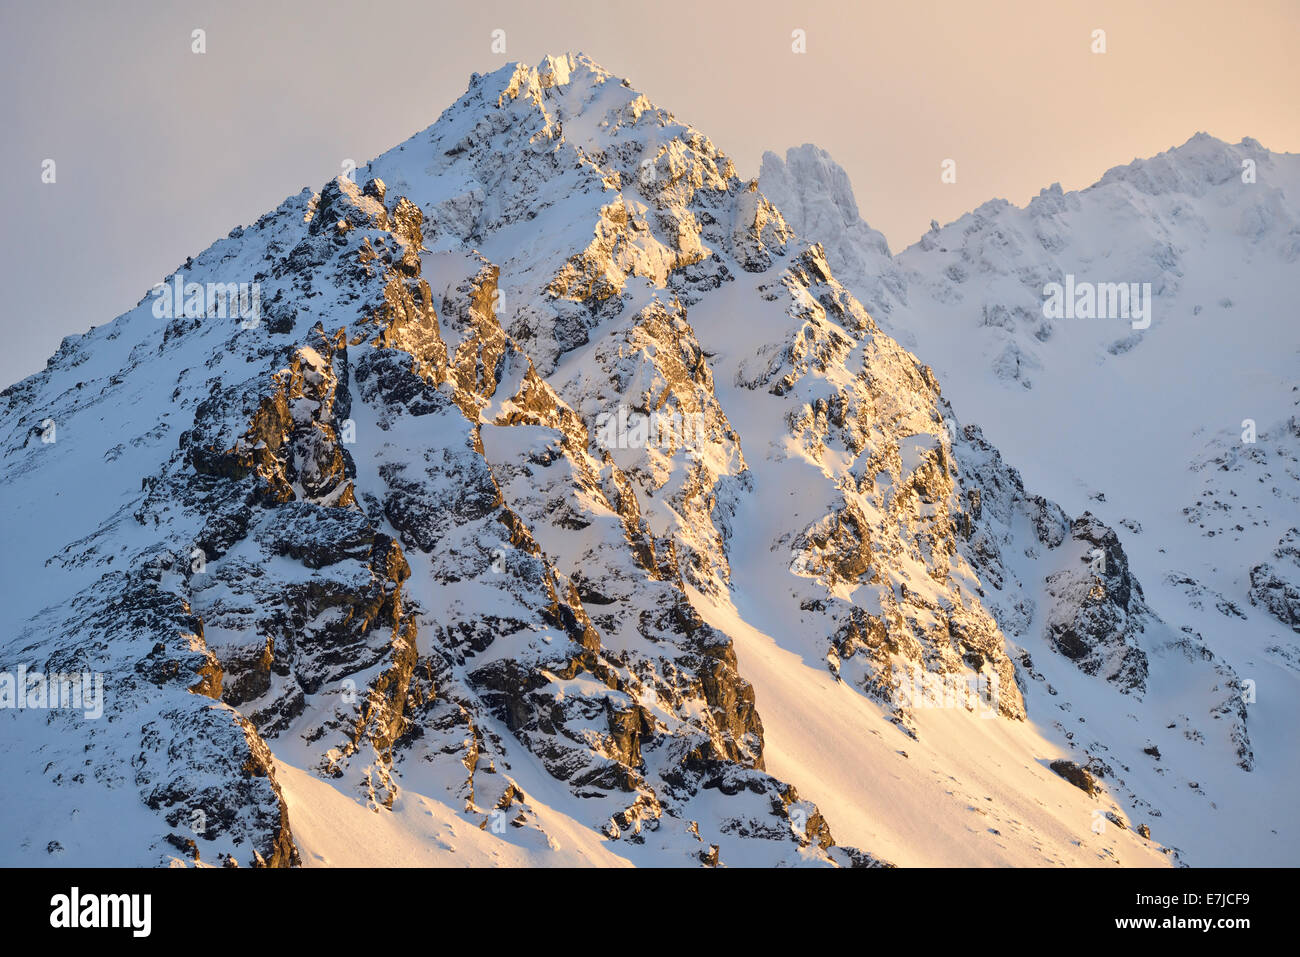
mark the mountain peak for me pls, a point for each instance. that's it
(1200, 163)
(548, 457)
(815, 196)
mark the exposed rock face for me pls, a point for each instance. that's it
(1100, 608)
(1062, 399)
(212, 786)
(898, 526)
(458, 518)
(1077, 776)
(1275, 585)
(400, 524)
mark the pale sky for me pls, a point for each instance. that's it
(160, 151)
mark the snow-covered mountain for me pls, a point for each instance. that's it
(1183, 435)
(555, 502)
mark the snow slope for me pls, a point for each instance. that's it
(371, 581)
(1144, 428)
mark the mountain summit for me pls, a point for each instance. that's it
(548, 500)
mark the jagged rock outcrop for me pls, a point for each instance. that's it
(1075, 399)
(532, 424)
(1275, 585)
(1100, 609)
